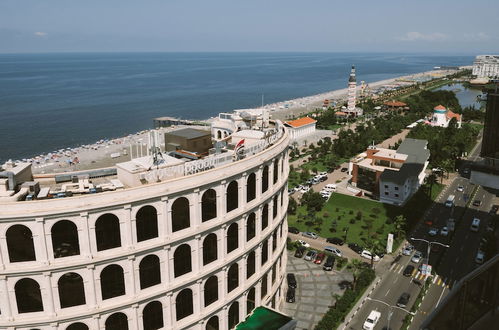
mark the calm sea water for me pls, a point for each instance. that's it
(51, 101)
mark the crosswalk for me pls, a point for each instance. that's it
(417, 275)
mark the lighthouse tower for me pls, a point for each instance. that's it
(352, 91)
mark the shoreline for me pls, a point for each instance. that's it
(89, 156)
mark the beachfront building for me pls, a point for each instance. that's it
(226, 124)
(301, 127)
(352, 109)
(442, 116)
(392, 175)
(486, 67)
(182, 244)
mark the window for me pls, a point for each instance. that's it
(250, 227)
(152, 316)
(233, 315)
(265, 216)
(251, 187)
(146, 223)
(210, 290)
(28, 296)
(232, 277)
(20, 244)
(180, 214)
(265, 251)
(77, 326)
(396, 188)
(250, 264)
(183, 304)
(107, 232)
(397, 195)
(282, 197)
(274, 240)
(212, 323)
(112, 282)
(117, 321)
(263, 291)
(232, 196)
(209, 205)
(182, 260)
(276, 170)
(250, 300)
(65, 239)
(265, 179)
(71, 290)
(149, 271)
(210, 249)
(232, 237)
(387, 193)
(275, 208)
(386, 186)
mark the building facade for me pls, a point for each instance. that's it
(442, 116)
(301, 127)
(199, 251)
(486, 66)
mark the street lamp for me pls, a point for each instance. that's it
(390, 311)
(429, 245)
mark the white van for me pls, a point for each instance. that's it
(450, 201)
(475, 224)
(371, 320)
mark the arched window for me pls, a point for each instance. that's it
(232, 196)
(250, 227)
(182, 260)
(265, 179)
(183, 304)
(212, 323)
(77, 326)
(233, 315)
(274, 272)
(274, 209)
(152, 316)
(233, 277)
(180, 214)
(282, 197)
(107, 232)
(112, 282)
(219, 134)
(71, 290)
(210, 249)
(274, 240)
(250, 300)
(232, 239)
(209, 205)
(265, 251)
(149, 271)
(263, 287)
(265, 216)
(146, 223)
(251, 187)
(276, 171)
(117, 321)
(28, 296)
(20, 244)
(65, 239)
(210, 290)
(250, 264)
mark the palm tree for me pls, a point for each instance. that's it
(399, 224)
(356, 266)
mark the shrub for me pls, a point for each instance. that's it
(352, 221)
(341, 262)
(337, 209)
(359, 215)
(350, 212)
(332, 229)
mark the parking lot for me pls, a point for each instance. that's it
(315, 290)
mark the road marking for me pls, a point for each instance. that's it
(435, 279)
(438, 302)
(413, 272)
(400, 269)
(417, 274)
(387, 292)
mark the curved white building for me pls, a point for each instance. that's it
(196, 251)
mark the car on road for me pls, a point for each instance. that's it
(344, 169)
(335, 240)
(319, 258)
(328, 265)
(407, 250)
(310, 255)
(310, 234)
(368, 255)
(466, 170)
(290, 295)
(300, 251)
(494, 209)
(333, 250)
(371, 320)
(292, 280)
(475, 224)
(303, 243)
(428, 222)
(460, 188)
(293, 230)
(416, 258)
(444, 231)
(491, 225)
(403, 300)
(409, 269)
(479, 257)
(433, 231)
(477, 202)
(355, 247)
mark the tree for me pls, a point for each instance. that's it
(399, 225)
(356, 266)
(374, 246)
(313, 201)
(292, 206)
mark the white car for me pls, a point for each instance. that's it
(416, 258)
(460, 188)
(444, 231)
(330, 187)
(310, 234)
(479, 257)
(303, 243)
(322, 174)
(371, 320)
(366, 254)
(433, 232)
(305, 189)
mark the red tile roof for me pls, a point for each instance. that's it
(301, 122)
(439, 107)
(451, 115)
(395, 104)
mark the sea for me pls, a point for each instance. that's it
(53, 101)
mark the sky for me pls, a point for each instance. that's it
(426, 26)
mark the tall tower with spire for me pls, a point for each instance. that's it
(352, 91)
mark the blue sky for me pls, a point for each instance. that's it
(450, 26)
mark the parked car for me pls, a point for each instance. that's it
(293, 230)
(408, 270)
(319, 258)
(303, 243)
(494, 209)
(305, 189)
(290, 295)
(355, 247)
(335, 240)
(479, 257)
(328, 265)
(403, 300)
(477, 202)
(292, 280)
(330, 186)
(444, 231)
(344, 169)
(433, 231)
(475, 224)
(371, 320)
(333, 250)
(310, 234)
(300, 251)
(407, 250)
(310, 255)
(460, 188)
(416, 258)
(368, 255)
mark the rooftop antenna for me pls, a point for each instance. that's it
(155, 151)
